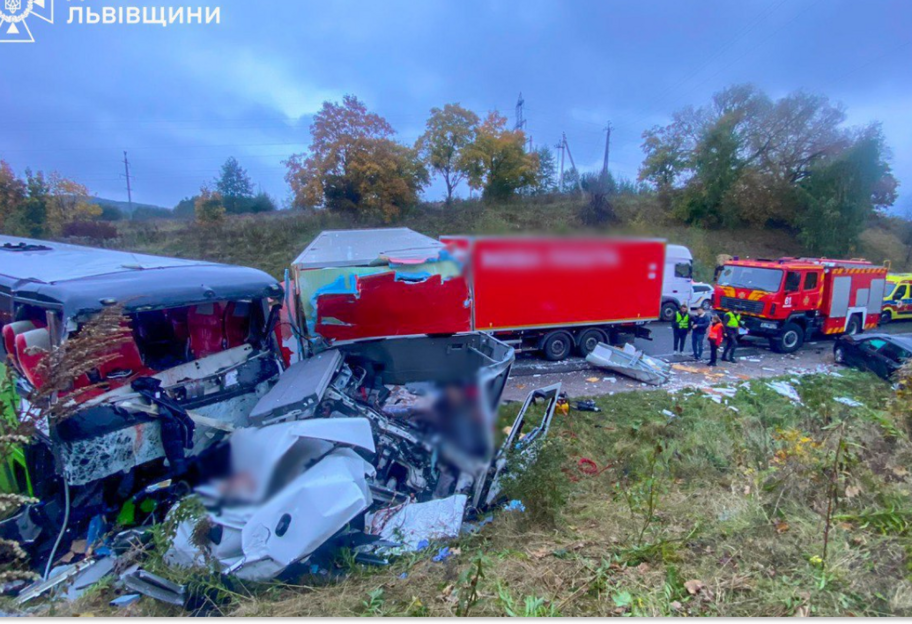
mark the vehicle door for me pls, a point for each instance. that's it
(812, 290)
(521, 444)
(893, 357)
(792, 291)
(869, 357)
(903, 297)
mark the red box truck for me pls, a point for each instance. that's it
(552, 294)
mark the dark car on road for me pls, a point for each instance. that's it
(882, 354)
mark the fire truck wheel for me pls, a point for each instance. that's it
(854, 326)
(588, 340)
(557, 346)
(668, 311)
(789, 339)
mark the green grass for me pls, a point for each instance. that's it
(713, 512)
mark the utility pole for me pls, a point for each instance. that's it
(579, 184)
(560, 146)
(607, 147)
(129, 190)
(530, 143)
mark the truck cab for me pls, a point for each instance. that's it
(789, 299)
(677, 283)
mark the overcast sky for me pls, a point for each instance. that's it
(181, 99)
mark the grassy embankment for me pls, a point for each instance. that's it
(762, 506)
(271, 242)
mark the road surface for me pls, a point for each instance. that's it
(755, 359)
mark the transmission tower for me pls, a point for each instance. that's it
(520, 122)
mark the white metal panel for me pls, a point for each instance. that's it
(839, 302)
(875, 299)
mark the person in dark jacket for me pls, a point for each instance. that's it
(699, 324)
(680, 327)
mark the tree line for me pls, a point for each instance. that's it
(40, 205)
(744, 159)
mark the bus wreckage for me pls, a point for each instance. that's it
(287, 458)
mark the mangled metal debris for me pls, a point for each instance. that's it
(631, 363)
(285, 464)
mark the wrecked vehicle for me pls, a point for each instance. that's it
(199, 353)
(549, 295)
(388, 441)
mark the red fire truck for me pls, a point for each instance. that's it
(550, 294)
(790, 299)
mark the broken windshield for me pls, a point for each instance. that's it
(755, 278)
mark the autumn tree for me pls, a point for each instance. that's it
(449, 132)
(209, 207)
(354, 165)
(497, 161)
(68, 201)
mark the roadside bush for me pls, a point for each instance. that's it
(542, 483)
(94, 230)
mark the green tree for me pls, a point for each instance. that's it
(442, 146)
(31, 219)
(12, 194)
(843, 193)
(571, 182)
(234, 185)
(354, 165)
(546, 178)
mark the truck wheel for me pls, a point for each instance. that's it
(854, 326)
(557, 346)
(885, 317)
(588, 340)
(789, 340)
(668, 311)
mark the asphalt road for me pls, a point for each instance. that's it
(661, 346)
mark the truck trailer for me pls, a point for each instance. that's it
(551, 294)
(790, 299)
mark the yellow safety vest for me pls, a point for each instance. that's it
(734, 320)
(683, 320)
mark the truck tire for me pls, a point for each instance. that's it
(854, 326)
(557, 345)
(789, 340)
(668, 311)
(885, 317)
(588, 340)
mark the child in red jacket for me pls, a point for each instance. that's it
(716, 333)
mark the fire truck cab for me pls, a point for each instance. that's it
(790, 299)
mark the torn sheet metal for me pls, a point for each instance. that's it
(356, 284)
(785, 389)
(631, 363)
(410, 524)
(292, 488)
(521, 445)
(299, 389)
